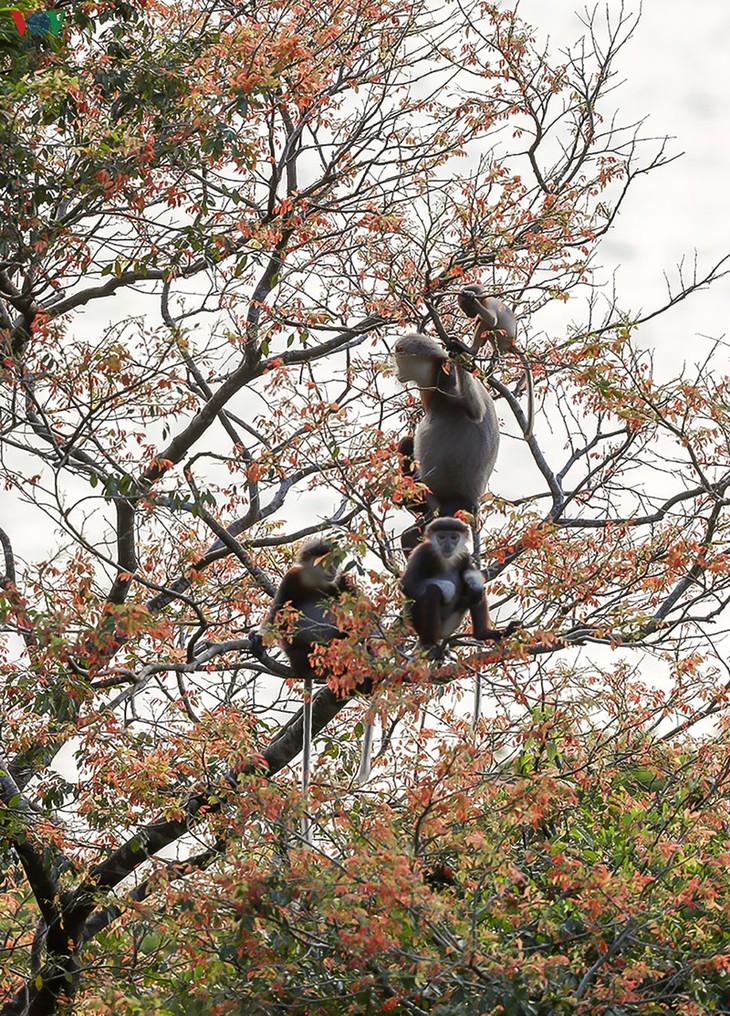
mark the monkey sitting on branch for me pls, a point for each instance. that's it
(311, 588)
(457, 439)
(496, 323)
(418, 505)
(441, 583)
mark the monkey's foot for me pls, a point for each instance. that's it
(497, 634)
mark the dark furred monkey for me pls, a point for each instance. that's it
(496, 323)
(310, 586)
(457, 440)
(441, 582)
(418, 505)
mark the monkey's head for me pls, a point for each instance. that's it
(406, 455)
(417, 357)
(450, 538)
(320, 562)
(469, 300)
(406, 446)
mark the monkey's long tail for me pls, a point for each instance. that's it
(363, 773)
(477, 708)
(530, 395)
(306, 825)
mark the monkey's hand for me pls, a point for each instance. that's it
(474, 582)
(256, 644)
(456, 346)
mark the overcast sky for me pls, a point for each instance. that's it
(676, 73)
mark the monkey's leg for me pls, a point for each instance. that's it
(306, 825)
(481, 624)
(448, 509)
(427, 616)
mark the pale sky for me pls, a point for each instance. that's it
(676, 72)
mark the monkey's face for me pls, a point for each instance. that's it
(450, 544)
(320, 563)
(415, 368)
(470, 299)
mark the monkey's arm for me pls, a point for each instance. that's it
(463, 390)
(284, 594)
(455, 345)
(481, 623)
(421, 566)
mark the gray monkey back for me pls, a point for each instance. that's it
(456, 452)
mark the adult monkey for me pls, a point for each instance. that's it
(497, 324)
(442, 583)
(310, 588)
(457, 439)
(456, 442)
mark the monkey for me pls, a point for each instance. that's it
(310, 587)
(418, 506)
(496, 323)
(441, 583)
(457, 440)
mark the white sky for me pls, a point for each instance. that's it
(676, 72)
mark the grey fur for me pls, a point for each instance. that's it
(497, 324)
(457, 440)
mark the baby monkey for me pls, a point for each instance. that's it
(496, 323)
(442, 583)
